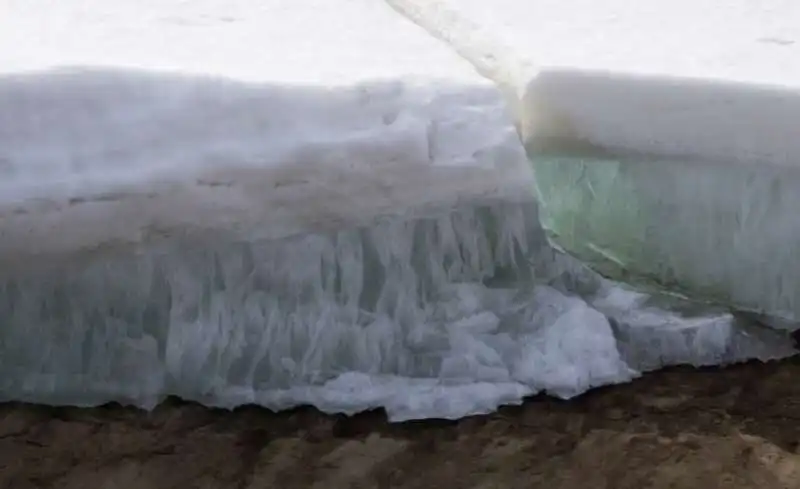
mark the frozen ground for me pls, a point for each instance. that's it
(662, 134)
(251, 202)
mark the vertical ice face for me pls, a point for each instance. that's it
(206, 321)
(327, 206)
(704, 208)
(435, 316)
(662, 136)
(714, 232)
(439, 316)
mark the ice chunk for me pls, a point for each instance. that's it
(568, 346)
(229, 200)
(662, 135)
(658, 330)
(675, 332)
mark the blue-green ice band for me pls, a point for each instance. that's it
(714, 232)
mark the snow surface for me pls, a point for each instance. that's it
(663, 134)
(283, 203)
(155, 118)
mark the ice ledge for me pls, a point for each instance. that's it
(663, 138)
(735, 81)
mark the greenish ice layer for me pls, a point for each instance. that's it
(727, 234)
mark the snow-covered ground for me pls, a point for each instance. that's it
(663, 133)
(283, 203)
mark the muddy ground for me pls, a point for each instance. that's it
(683, 428)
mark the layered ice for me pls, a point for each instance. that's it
(273, 203)
(662, 135)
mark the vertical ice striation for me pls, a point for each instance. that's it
(413, 312)
(438, 316)
(205, 322)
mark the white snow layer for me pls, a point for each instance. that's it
(284, 203)
(663, 134)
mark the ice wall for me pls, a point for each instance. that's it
(240, 202)
(441, 316)
(663, 136)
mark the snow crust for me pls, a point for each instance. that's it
(662, 134)
(280, 203)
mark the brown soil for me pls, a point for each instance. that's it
(697, 429)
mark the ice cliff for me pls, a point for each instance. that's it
(274, 203)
